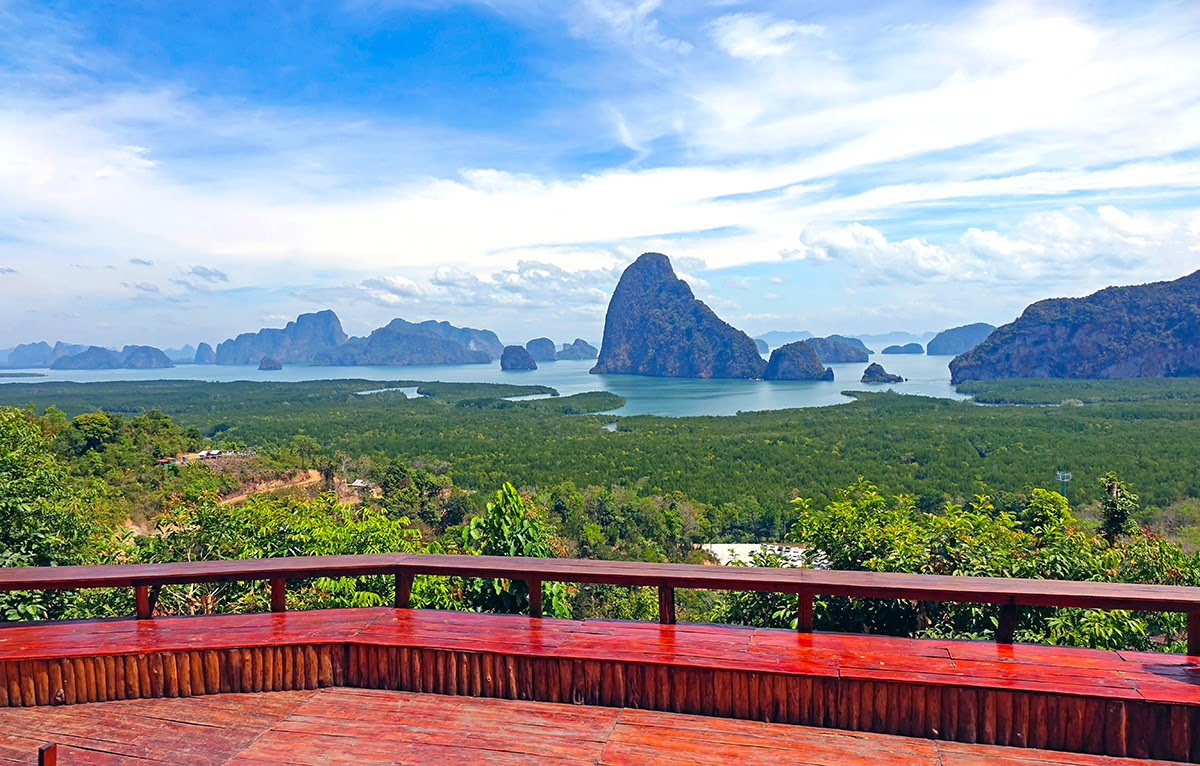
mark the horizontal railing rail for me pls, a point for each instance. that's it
(1008, 593)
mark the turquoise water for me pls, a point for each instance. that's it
(674, 397)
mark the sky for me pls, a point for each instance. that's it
(180, 172)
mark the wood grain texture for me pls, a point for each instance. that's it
(354, 726)
(1079, 701)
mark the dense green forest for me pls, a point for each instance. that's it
(62, 481)
(752, 464)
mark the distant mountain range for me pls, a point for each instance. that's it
(656, 326)
(316, 338)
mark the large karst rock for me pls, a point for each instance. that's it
(656, 326)
(41, 354)
(579, 349)
(297, 343)
(398, 343)
(468, 337)
(836, 348)
(907, 348)
(876, 374)
(796, 361)
(542, 350)
(130, 358)
(517, 358)
(318, 339)
(205, 354)
(958, 340)
(1142, 331)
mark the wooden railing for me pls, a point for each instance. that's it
(1008, 593)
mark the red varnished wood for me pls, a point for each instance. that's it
(354, 726)
(1100, 674)
(1019, 592)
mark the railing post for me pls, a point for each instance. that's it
(1007, 624)
(804, 612)
(535, 598)
(141, 596)
(278, 595)
(666, 605)
(48, 755)
(1193, 636)
(404, 583)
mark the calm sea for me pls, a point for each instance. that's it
(674, 397)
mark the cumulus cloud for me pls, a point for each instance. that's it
(144, 287)
(141, 262)
(1102, 246)
(391, 290)
(7, 270)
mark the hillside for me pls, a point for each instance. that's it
(1142, 331)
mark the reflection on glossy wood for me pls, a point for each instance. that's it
(1084, 701)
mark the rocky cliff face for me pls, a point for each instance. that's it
(958, 340)
(796, 361)
(297, 343)
(205, 354)
(267, 363)
(876, 374)
(656, 326)
(144, 358)
(467, 337)
(41, 354)
(318, 339)
(516, 358)
(835, 348)
(129, 358)
(400, 345)
(1143, 331)
(580, 349)
(542, 350)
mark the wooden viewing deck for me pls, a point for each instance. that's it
(1038, 698)
(1071, 700)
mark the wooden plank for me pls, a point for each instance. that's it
(1010, 591)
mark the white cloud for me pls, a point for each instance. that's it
(1090, 248)
(818, 141)
(630, 23)
(758, 35)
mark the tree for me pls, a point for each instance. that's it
(512, 526)
(42, 517)
(306, 448)
(1118, 505)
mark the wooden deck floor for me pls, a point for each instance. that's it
(357, 726)
(1131, 676)
(1039, 697)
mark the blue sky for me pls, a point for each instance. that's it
(177, 172)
